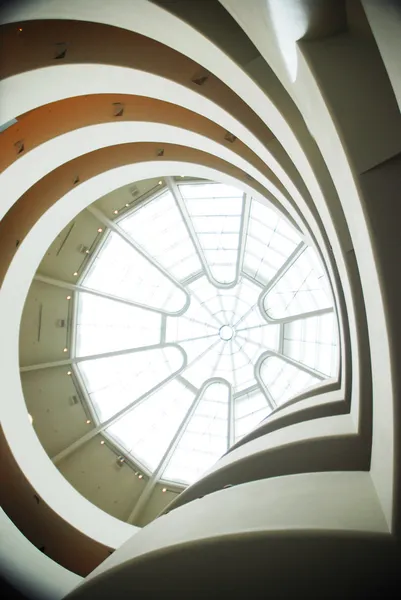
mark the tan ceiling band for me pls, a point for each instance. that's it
(46, 122)
(43, 43)
(41, 196)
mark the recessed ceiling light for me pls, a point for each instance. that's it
(164, 490)
(115, 212)
(88, 421)
(127, 205)
(68, 297)
(65, 349)
(102, 442)
(140, 476)
(75, 273)
(19, 28)
(100, 230)
(69, 372)
(160, 182)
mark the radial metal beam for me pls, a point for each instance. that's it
(252, 280)
(246, 211)
(179, 200)
(281, 338)
(102, 426)
(174, 189)
(163, 328)
(230, 420)
(218, 359)
(127, 238)
(254, 327)
(301, 366)
(280, 273)
(313, 313)
(234, 376)
(191, 278)
(80, 288)
(213, 316)
(248, 390)
(294, 363)
(187, 384)
(79, 359)
(152, 481)
(194, 339)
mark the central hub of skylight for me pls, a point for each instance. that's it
(206, 311)
(226, 333)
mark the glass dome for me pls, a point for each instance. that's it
(202, 311)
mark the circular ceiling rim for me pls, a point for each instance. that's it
(52, 84)
(21, 175)
(174, 93)
(15, 176)
(264, 98)
(151, 22)
(28, 452)
(159, 24)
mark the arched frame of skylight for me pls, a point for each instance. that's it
(227, 279)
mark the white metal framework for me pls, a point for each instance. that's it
(202, 311)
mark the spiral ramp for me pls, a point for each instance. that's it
(300, 102)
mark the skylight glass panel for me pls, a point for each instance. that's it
(115, 382)
(284, 381)
(249, 410)
(205, 356)
(148, 429)
(243, 366)
(204, 439)
(313, 342)
(120, 270)
(270, 241)
(216, 219)
(208, 190)
(302, 289)
(158, 227)
(104, 325)
(193, 241)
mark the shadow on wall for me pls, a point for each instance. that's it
(281, 566)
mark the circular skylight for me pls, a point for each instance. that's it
(201, 312)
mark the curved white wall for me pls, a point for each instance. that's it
(332, 499)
